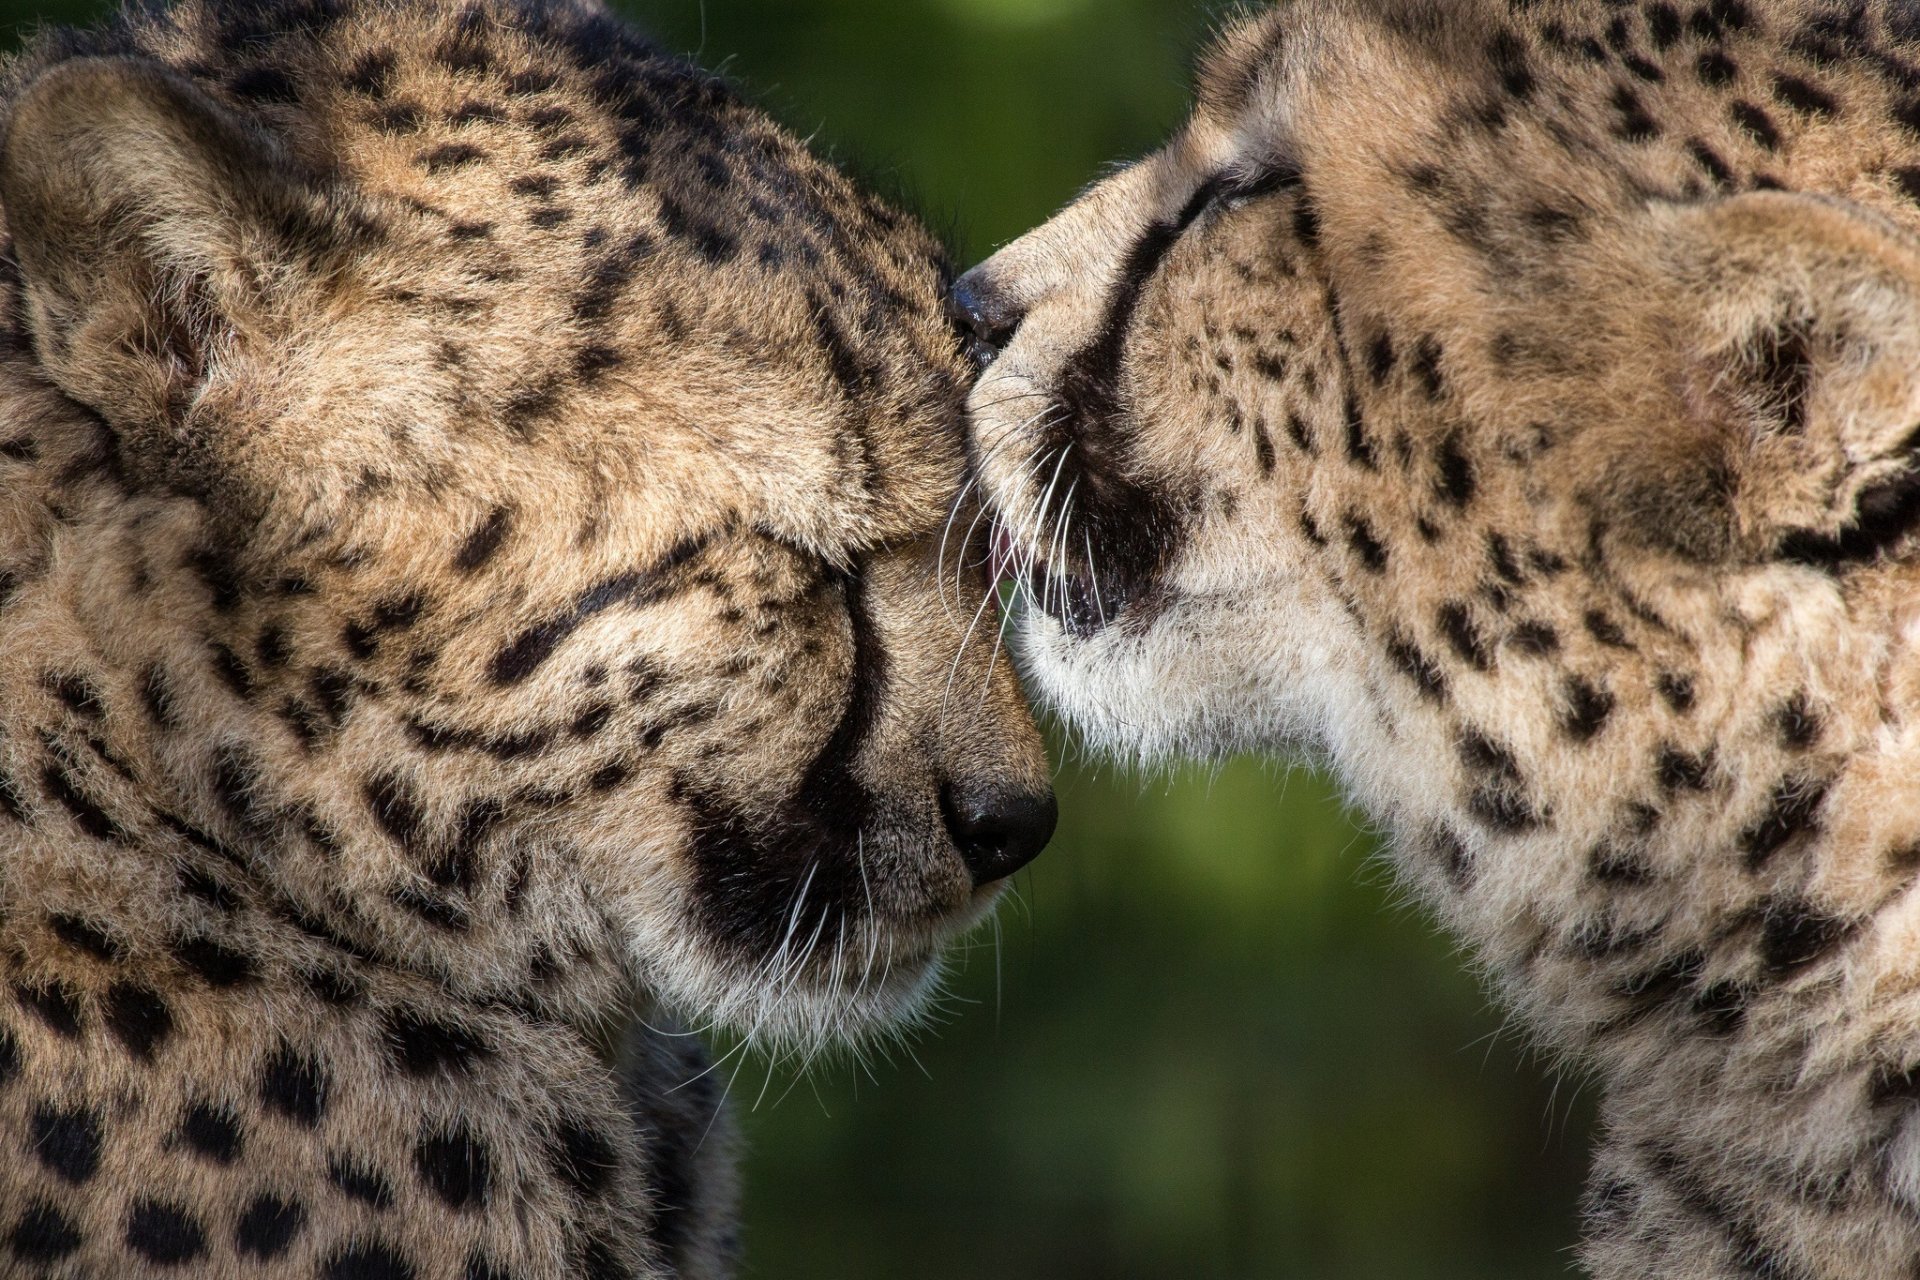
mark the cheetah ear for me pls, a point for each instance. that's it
(1796, 321)
(154, 230)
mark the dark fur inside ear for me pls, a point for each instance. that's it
(151, 224)
(1791, 343)
(1885, 515)
(1779, 367)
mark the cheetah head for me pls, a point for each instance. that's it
(1424, 404)
(508, 536)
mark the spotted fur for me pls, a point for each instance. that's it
(469, 490)
(1517, 403)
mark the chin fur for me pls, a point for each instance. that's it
(814, 995)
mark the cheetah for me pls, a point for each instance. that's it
(1516, 405)
(470, 489)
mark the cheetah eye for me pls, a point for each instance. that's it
(1238, 189)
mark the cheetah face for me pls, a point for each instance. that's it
(512, 558)
(1350, 416)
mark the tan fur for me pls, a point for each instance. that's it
(1535, 438)
(469, 494)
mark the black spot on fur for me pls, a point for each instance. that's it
(1894, 1085)
(1796, 935)
(1792, 809)
(368, 1260)
(1450, 852)
(1456, 624)
(1482, 754)
(1500, 556)
(1756, 124)
(1456, 481)
(1884, 515)
(76, 693)
(1662, 985)
(1677, 690)
(1263, 455)
(1417, 667)
(1663, 25)
(1360, 537)
(455, 1165)
(450, 155)
(212, 1132)
(217, 964)
(358, 1182)
(267, 1226)
(12, 804)
(1709, 159)
(84, 935)
(43, 1234)
(1610, 864)
(295, 1086)
(1605, 630)
(55, 1004)
(1588, 707)
(66, 1142)
(420, 1045)
(138, 1018)
(1536, 639)
(1634, 123)
(1502, 809)
(1798, 726)
(1509, 58)
(1380, 358)
(1359, 447)
(395, 809)
(1803, 95)
(585, 1160)
(83, 809)
(165, 1234)
(1678, 770)
(217, 572)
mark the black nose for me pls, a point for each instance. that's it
(985, 316)
(998, 829)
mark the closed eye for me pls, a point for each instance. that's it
(1238, 189)
(1230, 190)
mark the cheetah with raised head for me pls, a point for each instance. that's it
(1518, 404)
(469, 496)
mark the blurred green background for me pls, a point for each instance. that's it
(1210, 1042)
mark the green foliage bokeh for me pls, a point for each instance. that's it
(1209, 1042)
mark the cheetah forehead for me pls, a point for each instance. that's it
(540, 248)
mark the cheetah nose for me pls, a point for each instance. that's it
(984, 315)
(998, 829)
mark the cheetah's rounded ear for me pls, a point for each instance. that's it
(154, 228)
(1796, 321)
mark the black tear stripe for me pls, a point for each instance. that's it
(1136, 527)
(749, 874)
(523, 655)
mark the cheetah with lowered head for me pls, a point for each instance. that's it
(1519, 404)
(469, 490)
